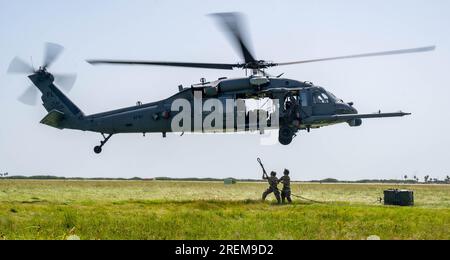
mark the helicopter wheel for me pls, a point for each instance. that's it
(285, 135)
(97, 149)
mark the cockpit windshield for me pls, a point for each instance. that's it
(325, 97)
(333, 97)
(320, 98)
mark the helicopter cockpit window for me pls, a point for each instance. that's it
(334, 98)
(321, 98)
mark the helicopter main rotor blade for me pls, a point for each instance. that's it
(233, 24)
(29, 96)
(221, 66)
(374, 54)
(17, 65)
(52, 52)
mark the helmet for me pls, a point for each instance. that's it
(286, 172)
(273, 173)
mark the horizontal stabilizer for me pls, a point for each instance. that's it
(53, 119)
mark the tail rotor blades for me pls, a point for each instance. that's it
(19, 66)
(65, 81)
(29, 96)
(52, 52)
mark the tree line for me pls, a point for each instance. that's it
(406, 180)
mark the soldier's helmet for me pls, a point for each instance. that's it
(273, 174)
(286, 172)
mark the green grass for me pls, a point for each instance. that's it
(212, 210)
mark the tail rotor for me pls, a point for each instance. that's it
(52, 52)
(29, 96)
(18, 66)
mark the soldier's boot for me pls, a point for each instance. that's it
(264, 195)
(278, 200)
(283, 197)
(289, 199)
(277, 195)
(288, 196)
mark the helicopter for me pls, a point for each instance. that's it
(299, 105)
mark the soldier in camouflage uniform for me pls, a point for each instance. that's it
(286, 191)
(273, 183)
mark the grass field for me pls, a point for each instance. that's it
(212, 210)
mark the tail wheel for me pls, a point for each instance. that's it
(97, 149)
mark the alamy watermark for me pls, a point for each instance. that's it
(203, 116)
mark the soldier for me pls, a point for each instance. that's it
(286, 191)
(273, 183)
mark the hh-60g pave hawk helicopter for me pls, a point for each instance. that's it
(302, 105)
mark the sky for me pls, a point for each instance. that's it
(280, 31)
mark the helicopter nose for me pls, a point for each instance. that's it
(346, 109)
(352, 109)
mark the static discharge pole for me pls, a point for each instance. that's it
(262, 166)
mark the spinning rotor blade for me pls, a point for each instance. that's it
(230, 21)
(17, 65)
(65, 81)
(233, 23)
(375, 54)
(29, 96)
(52, 52)
(163, 63)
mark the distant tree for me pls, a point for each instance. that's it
(329, 180)
(447, 179)
(426, 178)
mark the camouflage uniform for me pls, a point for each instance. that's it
(273, 183)
(286, 191)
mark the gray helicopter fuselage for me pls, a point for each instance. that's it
(298, 106)
(156, 116)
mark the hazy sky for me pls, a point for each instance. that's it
(280, 31)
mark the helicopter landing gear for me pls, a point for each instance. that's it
(98, 148)
(285, 135)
